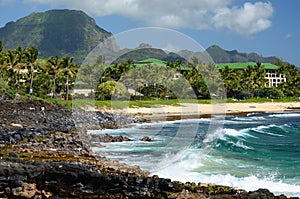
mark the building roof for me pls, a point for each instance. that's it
(242, 65)
(238, 65)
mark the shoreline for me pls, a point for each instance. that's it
(195, 111)
(37, 147)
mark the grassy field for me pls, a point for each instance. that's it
(81, 103)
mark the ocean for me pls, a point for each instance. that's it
(259, 150)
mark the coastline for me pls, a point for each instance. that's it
(40, 147)
(193, 111)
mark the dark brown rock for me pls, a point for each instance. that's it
(146, 139)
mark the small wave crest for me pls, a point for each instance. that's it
(252, 118)
(236, 133)
(285, 115)
(266, 130)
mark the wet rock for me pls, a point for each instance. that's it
(98, 138)
(13, 154)
(146, 139)
(27, 190)
(261, 193)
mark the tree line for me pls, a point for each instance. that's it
(22, 73)
(203, 80)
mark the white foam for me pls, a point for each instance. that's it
(186, 168)
(252, 183)
(241, 145)
(259, 118)
(249, 183)
(234, 133)
(285, 115)
(213, 136)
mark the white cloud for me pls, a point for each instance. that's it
(247, 20)
(195, 14)
(288, 36)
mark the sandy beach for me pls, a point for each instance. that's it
(189, 110)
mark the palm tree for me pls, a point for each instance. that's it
(292, 75)
(259, 76)
(253, 78)
(12, 65)
(68, 71)
(54, 71)
(31, 55)
(91, 74)
(231, 81)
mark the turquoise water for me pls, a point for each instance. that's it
(248, 152)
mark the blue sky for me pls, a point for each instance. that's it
(269, 28)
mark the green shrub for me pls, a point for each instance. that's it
(272, 93)
(111, 90)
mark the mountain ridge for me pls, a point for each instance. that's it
(219, 55)
(73, 33)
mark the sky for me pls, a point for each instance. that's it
(269, 28)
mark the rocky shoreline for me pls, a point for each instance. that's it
(45, 153)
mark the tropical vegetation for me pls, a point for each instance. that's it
(23, 73)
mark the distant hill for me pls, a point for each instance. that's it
(55, 32)
(145, 51)
(212, 54)
(220, 55)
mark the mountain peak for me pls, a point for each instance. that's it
(214, 47)
(55, 32)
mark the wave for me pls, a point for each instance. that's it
(249, 118)
(237, 133)
(285, 115)
(272, 130)
(252, 183)
(249, 183)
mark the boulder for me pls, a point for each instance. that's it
(146, 139)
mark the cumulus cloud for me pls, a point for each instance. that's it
(247, 20)
(194, 14)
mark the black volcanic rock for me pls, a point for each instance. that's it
(21, 179)
(25, 118)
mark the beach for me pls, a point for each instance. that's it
(194, 110)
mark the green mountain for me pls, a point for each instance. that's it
(145, 53)
(55, 33)
(213, 53)
(220, 55)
